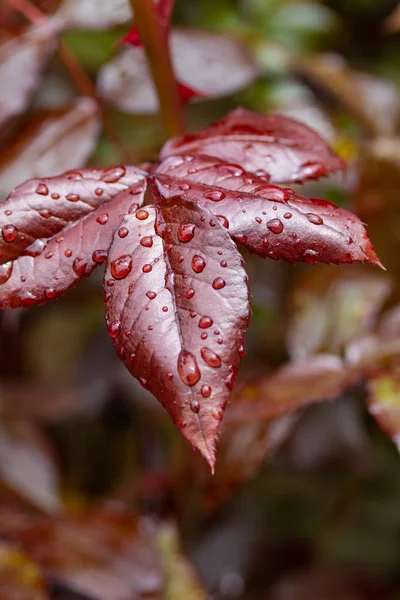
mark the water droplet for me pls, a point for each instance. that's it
(258, 220)
(42, 189)
(287, 215)
(198, 263)
(190, 293)
(121, 267)
(45, 214)
(123, 232)
(99, 256)
(113, 174)
(241, 350)
(79, 266)
(214, 195)
(55, 196)
(218, 283)
(230, 379)
(8, 213)
(206, 391)
(188, 368)
(193, 314)
(102, 219)
(185, 232)
(315, 219)
(223, 263)
(205, 322)
(265, 242)
(9, 233)
(147, 268)
(151, 295)
(72, 197)
(195, 406)
(142, 214)
(217, 415)
(310, 256)
(5, 272)
(147, 241)
(144, 383)
(165, 309)
(184, 187)
(114, 329)
(275, 225)
(50, 293)
(48, 255)
(99, 191)
(169, 376)
(204, 336)
(223, 220)
(212, 359)
(68, 253)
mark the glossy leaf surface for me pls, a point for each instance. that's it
(270, 221)
(274, 146)
(177, 309)
(72, 232)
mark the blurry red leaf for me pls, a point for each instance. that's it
(33, 400)
(293, 386)
(21, 578)
(188, 93)
(164, 10)
(392, 23)
(54, 141)
(273, 146)
(102, 553)
(268, 220)
(94, 14)
(22, 60)
(212, 64)
(177, 309)
(60, 229)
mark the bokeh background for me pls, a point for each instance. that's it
(99, 496)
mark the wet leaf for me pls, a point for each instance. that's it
(94, 14)
(330, 308)
(268, 220)
(383, 402)
(189, 287)
(21, 579)
(22, 60)
(293, 386)
(277, 147)
(60, 229)
(28, 467)
(104, 554)
(214, 65)
(54, 141)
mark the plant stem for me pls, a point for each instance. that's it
(155, 41)
(78, 75)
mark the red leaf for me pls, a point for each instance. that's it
(22, 60)
(72, 233)
(270, 221)
(188, 93)
(177, 309)
(132, 38)
(274, 146)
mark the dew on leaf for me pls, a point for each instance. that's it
(205, 322)
(186, 232)
(42, 189)
(146, 241)
(190, 293)
(68, 253)
(198, 263)
(218, 283)
(214, 195)
(114, 329)
(146, 268)
(9, 233)
(205, 391)
(212, 359)
(123, 232)
(79, 266)
(188, 368)
(275, 225)
(99, 256)
(121, 267)
(102, 219)
(142, 214)
(315, 219)
(113, 175)
(195, 406)
(72, 197)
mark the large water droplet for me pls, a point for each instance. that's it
(188, 368)
(212, 359)
(55, 196)
(185, 232)
(42, 189)
(151, 295)
(79, 266)
(123, 232)
(223, 220)
(275, 225)
(315, 219)
(205, 322)
(113, 174)
(68, 253)
(218, 283)
(142, 214)
(50, 293)
(147, 268)
(198, 263)
(121, 267)
(146, 241)
(102, 219)
(310, 256)
(206, 391)
(287, 215)
(114, 329)
(184, 187)
(190, 293)
(72, 197)
(9, 233)
(214, 195)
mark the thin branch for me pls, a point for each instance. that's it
(155, 41)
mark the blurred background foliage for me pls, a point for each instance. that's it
(305, 500)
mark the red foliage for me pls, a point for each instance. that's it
(175, 290)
